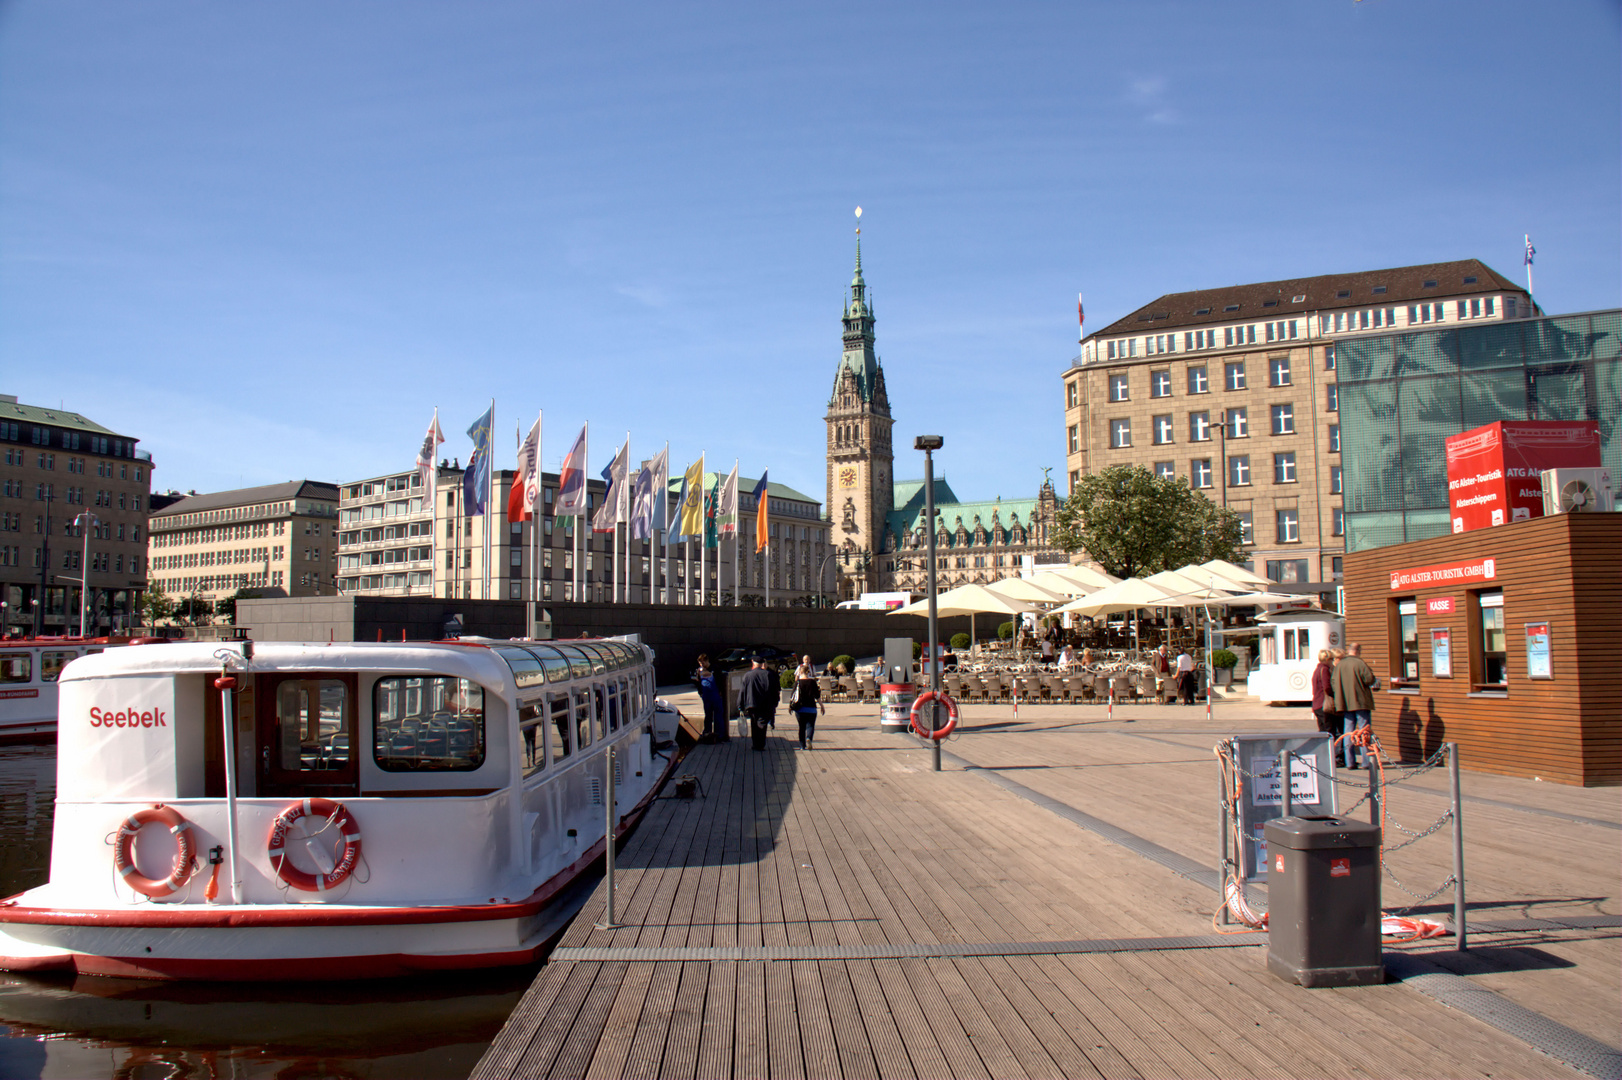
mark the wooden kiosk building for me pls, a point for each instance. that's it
(1505, 640)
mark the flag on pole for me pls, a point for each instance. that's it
(430, 449)
(476, 480)
(642, 504)
(661, 490)
(712, 539)
(691, 522)
(1081, 313)
(1530, 250)
(726, 509)
(526, 487)
(572, 481)
(760, 514)
(609, 513)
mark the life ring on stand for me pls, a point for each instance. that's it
(951, 714)
(336, 814)
(124, 851)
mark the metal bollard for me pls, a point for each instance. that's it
(608, 922)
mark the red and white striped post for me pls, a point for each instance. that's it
(1110, 713)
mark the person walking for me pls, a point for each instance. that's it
(1352, 687)
(709, 695)
(757, 697)
(1185, 677)
(806, 703)
(1323, 704)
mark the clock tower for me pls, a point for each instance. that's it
(861, 475)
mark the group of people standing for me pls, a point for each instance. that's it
(1343, 698)
(759, 696)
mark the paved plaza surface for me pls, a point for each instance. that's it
(1043, 907)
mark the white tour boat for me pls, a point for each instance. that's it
(392, 808)
(29, 668)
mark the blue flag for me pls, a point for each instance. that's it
(476, 480)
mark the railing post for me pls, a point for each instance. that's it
(1460, 933)
(608, 922)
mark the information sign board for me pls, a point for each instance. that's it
(1261, 796)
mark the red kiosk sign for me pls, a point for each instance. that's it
(1458, 573)
(1494, 473)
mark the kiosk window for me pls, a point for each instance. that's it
(429, 723)
(1407, 640)
(1490, 662)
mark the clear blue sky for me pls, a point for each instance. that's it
(267, 239)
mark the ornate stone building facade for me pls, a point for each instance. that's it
(877, 521)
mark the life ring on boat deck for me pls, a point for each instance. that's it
(951, 714)
(124, 851)
(336, 814)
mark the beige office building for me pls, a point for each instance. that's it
(71, 492)
(280, 539)
(1234, 390)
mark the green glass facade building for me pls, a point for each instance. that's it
(1401, 395)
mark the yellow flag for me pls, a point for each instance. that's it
(692, 499)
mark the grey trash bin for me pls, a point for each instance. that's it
(1323, 901)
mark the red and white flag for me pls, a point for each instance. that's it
(1081, 313)
(526, 489)
(572, 481)
(430, 449)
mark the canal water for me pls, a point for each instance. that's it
(90, 1028)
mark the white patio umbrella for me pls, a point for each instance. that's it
(1184, 581)
(969, 600)
(1129, 595)
(1065, 585)
(1228, 570)
(1027, 589)
(1086, 575)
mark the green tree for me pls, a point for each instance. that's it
(155, 604)
(1132, 523)
(228, 605)
(193, 609)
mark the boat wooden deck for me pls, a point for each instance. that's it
(848, 912)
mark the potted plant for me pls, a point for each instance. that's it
(1222, 662)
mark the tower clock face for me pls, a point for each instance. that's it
(847, 477)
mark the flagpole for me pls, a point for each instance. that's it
(489, 500)
(1529, 264)
(619, 518)
(668, 593)
(737, 527)
(433, 507)
(765, 497)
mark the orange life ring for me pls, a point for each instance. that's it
(951, 714)
(336, 814)
(124, 848)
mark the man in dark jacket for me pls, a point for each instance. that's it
(1351, 688)
(757, 698)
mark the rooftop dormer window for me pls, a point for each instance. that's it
(1378, 289)
(1343, 294)
(1269, 303)
(1231, 307)
(1298, 299)
(1430, 284)
(1203, 311)
(1471, 280)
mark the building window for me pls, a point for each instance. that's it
(1329, 357)
(1334, 438)
(1238, 421)
(1198, 381)
(1286, 570)
(1075, 438)
(1120, 433)
(1239, 335)
(1075, 480)
(1283, 419)
(1199, 473)
(1160, 384)
(1117, 388)
(1489, 667)
(1289, 527)
(1072, 393)
(1199, 427)
(1162, 429)
(1337, 522)
(1278, 371)
(1334, 480)
(1284, 468)
(1166, 470)
(1239, 470)
(1234, 375)
(1247, 528)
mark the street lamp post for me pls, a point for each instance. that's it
(822, 574)
(85, 520)
(929, 444)
(1222, 442)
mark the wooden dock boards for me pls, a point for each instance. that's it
(858, 844)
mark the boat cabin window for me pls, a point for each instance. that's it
(52, 661)
(582, 718)
(558, 705)
(313, 725)
(532, 723)
(1296, 643)
(432, 723)
(16, 667)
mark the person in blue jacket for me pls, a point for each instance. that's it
(709, 693)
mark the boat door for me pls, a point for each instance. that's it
(307, 742)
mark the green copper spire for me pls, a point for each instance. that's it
(860, 359)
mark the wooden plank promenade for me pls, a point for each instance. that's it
(847, 912)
